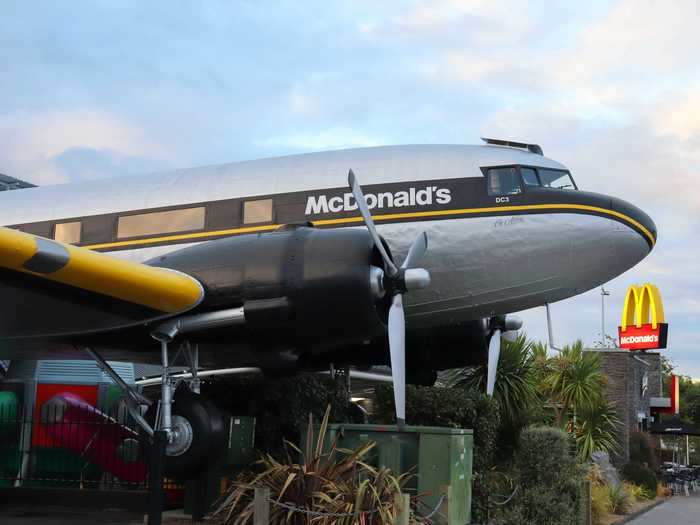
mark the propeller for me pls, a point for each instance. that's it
(500, 326)
(396, 281)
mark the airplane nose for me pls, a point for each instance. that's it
(637, 219)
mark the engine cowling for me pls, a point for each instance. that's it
(301, 284)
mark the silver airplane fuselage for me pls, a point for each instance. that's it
(489, 253)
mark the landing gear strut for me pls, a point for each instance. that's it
(193, 426)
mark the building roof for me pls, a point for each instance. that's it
(11, 183)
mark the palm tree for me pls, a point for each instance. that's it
(596, 429)
(516, 386)
(574, 381)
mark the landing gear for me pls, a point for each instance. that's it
(196, 437)
(193, 426)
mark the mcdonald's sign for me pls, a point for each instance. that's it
(643, 326)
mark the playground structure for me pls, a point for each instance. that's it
(62, 425)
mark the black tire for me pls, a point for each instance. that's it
(219, 432)
(208, 431)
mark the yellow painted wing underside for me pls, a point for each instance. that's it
(164, 290)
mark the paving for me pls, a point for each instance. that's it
(49, 515)
(679, 510)
(59, 515)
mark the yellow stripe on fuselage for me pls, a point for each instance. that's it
(161, 289)
(386, 217)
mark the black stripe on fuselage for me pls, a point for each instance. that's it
(224, 217)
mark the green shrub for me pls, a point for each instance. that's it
(281, 406)
(334, 481)
(456, 408)
(619, 499)
(549, 478)
(637, 492)
(640, 475)
(641, 450)
(600, 502)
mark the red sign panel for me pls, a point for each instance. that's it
(644, 337)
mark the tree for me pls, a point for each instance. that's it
(690, 400)
(575, 382)
(596, 427)
(516, 388)
(549, 481)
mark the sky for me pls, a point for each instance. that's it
(610, 89)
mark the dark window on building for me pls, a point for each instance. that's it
(154, 223)
(503, 181)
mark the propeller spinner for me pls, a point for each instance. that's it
(395, 281)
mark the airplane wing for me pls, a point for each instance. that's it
(49, 289)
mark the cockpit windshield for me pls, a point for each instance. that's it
(558, 179)
(512, 180)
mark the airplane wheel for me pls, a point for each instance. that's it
(199, 434)
(217, 441)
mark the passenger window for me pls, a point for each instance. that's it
(529, 177)
(68, 232)
(257, 211)
(558, 179)
(503, 181)
(171, 221)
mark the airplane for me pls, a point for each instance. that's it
(285, 265)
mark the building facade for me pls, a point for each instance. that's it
(633, 378)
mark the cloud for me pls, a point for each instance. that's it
(645, 38)
(480, 22)
(609, 89)
(59, 146)
(332, 138)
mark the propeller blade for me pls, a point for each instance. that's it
(494, 353)
(416, 252)
(397, 350)
(389, 265)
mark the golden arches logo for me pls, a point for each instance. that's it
(643, 305)
(643, 325)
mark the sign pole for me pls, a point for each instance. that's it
(603, 293)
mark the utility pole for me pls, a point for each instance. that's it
(603, 294)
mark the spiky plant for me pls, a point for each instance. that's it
(596, 429)
(574, 381)
(336, 481)
(516, 387)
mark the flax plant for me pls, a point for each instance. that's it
(333, 487)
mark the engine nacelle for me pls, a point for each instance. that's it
(302, 285)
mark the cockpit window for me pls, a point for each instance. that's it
(560, 180)
(503, 181)
(529, 177)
